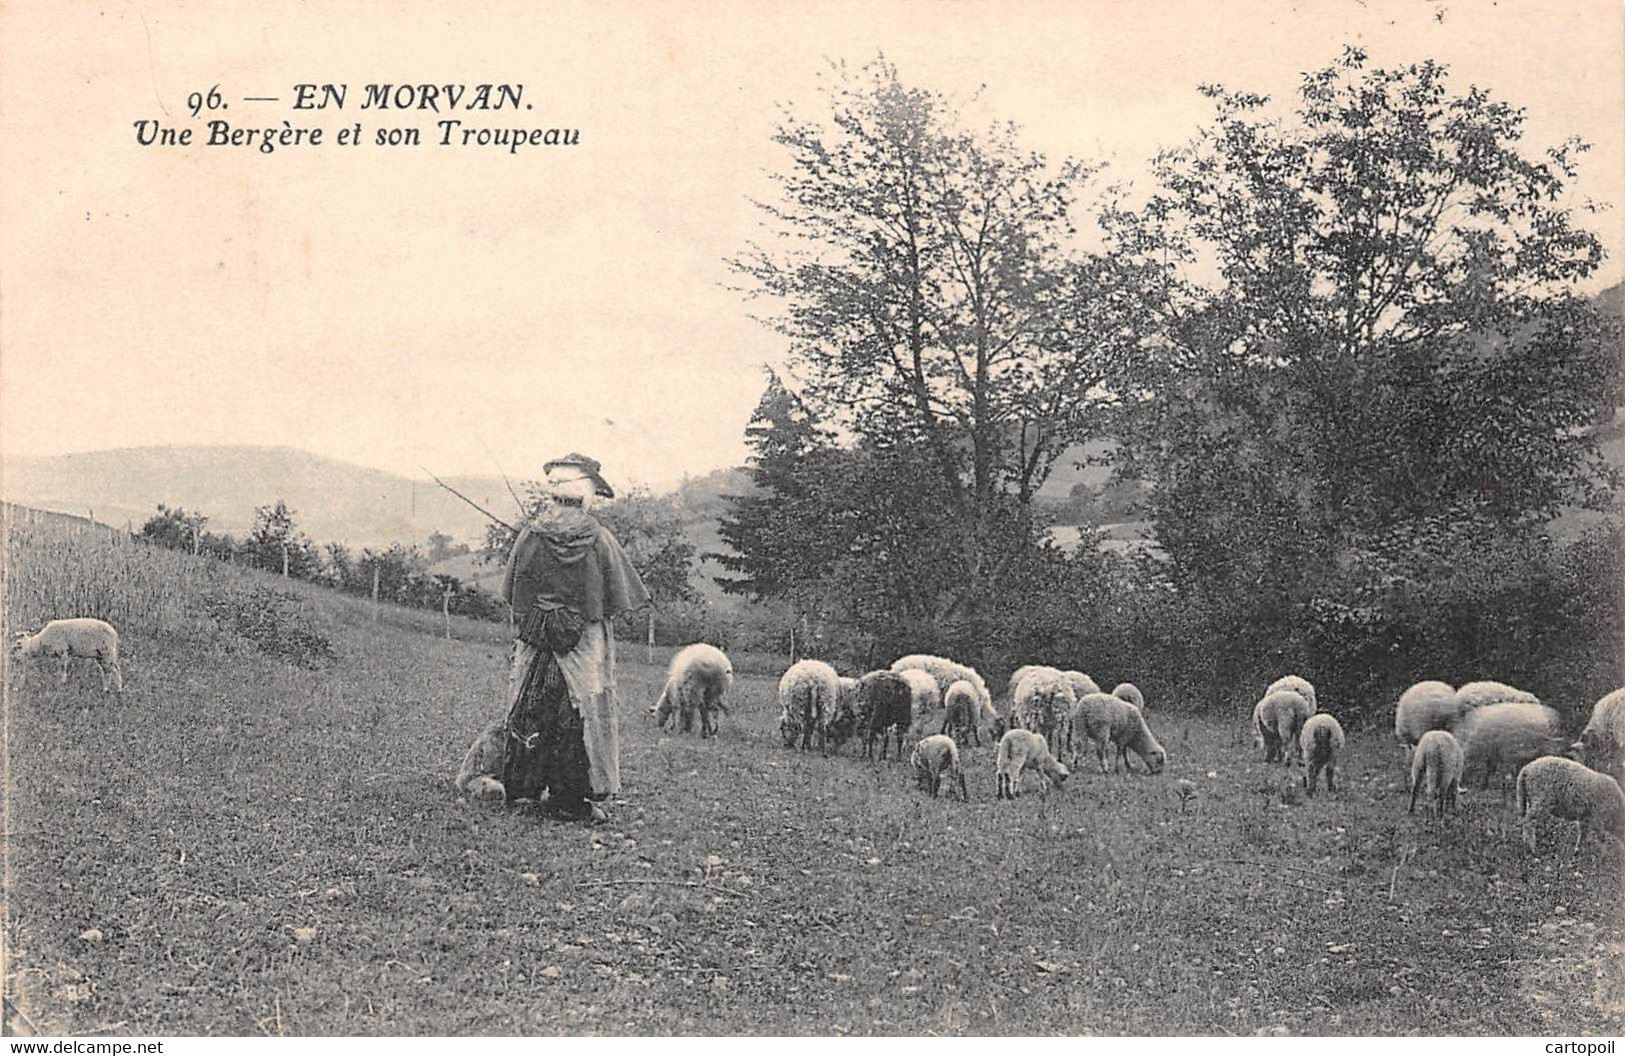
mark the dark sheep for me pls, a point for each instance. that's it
(885, 702)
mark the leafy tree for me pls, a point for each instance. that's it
(443, 546)
(924, 278)
(174, 527)
(274, 535)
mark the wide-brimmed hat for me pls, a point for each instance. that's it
(588, 466)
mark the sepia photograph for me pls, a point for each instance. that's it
(790, 519)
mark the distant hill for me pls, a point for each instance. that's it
(333, 501)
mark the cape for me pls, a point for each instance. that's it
(565, 557)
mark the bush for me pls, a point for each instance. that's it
(272, 621)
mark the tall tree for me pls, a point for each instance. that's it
(1361, 335)
(923, 275)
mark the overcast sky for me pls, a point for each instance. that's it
(460, 308)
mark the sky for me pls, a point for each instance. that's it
(465, 308)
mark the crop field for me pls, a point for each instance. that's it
(261, 837)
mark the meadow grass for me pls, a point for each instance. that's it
(270, 849)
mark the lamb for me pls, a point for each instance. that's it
(934, 757)
(699, 676)
(1043, 703)
(480, 774)
(1555, 787)
(1020, 751)
(885, 703)
(1278, 718)
(1103, 719)
(1301, 686)
(946, 672)
(1320, 742)
(1130, 692)
(1437, 761)
(1501, 738)
(1425, 706)
(809, 694)
(80, 637)
(1602, 743)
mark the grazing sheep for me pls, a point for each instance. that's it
(1602, 743)
(934, 757)
(1501, 738)
(481, 772)
(809, 694)
(844, 723)
(946, 672)
(1106, 719)
(1130, 692)
(1278, 718)
(1020, 751)
(962, 710)
(1320, 742)
(1555, 787)
(1425, 706)
(81, 637)
(928, 696)
(1299, 685)
(1082, 684)
(696, 681)
(885, 703)
(1477, 694)
(1437, 761)
(1043, 703)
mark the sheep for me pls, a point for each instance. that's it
(696, 681)
(480, 774)
(1130, 692)
(1501, 738)
(885, 702)
(81, 637)
(845, 720)
(1438, 761)
(962, 711)
(1320, 742)
(933, 757)
(927, 695)
(1602, 743)
(1555, 787)
(1020, 751)
(1425, 706)
(808, 697)
(1043, 703)
(1081, 683)
(1105, 719)
(1477, 694)
(946, 672)
(1278, 717)
(1299, 685)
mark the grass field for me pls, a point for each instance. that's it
(261, 848)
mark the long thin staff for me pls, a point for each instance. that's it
(516, 500)
(468, 500)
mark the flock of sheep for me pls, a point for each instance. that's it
(1482, 729)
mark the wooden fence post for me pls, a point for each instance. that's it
(374, 593)
(445, 609)
(651, 653)
(284, 560)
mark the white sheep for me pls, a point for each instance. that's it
(1436, 765)
(1477, 694)
(946, 672)
(1429, 705)
(1320, 742)
(809, 694)
(81, 637)
(844, 723)
(1501, 738)
(1020, 751)
(1130, 692)
(962, 709)
(697, 680)
(1043, 703)
(1299, 685)
(1555, 787)
(1602, 743)
(928, 696)
(1278, 717)
(481, 772)
(1108, 720)
(1080, 682)
(935, 757)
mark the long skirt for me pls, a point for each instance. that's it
(546, 745)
